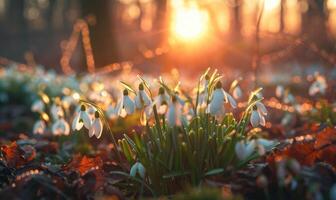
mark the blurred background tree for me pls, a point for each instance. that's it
(160, 34)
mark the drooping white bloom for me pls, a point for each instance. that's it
(287, 119)
(174, 113)
(237, 92)
(263, 144)
(39, 127)
(289, 98)
(258, 114)
(219, 97)
(67, 101)
(139, 169)
(244, 149)
(97, 127)
(125, 106)
(142, 99)
(261, 108)
(38, 106)
(81, 119)
(60, 127)
(279, 91)
(318, 86)
(161, 101)
(203, 96)
(56, 111)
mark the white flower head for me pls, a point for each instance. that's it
(244, 150)
(39, 127)
(125, 106)
(174, 113)
(142, 99)
(38, 106)
(56, 110)
(161, 101)
(318, 86)
(263, 144)
(237, 92)
(257, 117)
(279, 91)
(258, 112)
(96, 127)
(203, 96)
(60, 127)
(81, 119)
(139, 169)
(68, 101)
(219, 97)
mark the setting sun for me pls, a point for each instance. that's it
(189, 23)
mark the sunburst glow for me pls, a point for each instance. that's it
(189, 23)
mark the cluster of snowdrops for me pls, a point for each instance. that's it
(198, 130)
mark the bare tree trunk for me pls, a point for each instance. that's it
(282, 15)
(235, 20)
(102, 33)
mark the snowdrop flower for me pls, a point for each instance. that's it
(289, 98)
(244, 150)
(174, 113)
(258, 115)
(60, 127)
(142, 99)
(81, 119)
(279, 91)
(126, 105)
(219, 97)
(38, 106)
(237, 92)
(138, 168)
(97, 127)
(261, 144)
(318, 86)
(287, 119)
(56, 110)
(67, 101)
(203, 97)
(161, 101)
(39, 127)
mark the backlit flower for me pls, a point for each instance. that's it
(60, 127)
(244, 149)
(174, 113)
(38, 106)
(142, 99)
(81, 119)
(203, 96)
(96, 127)
(125, 106)
(318, 86)
(279, 91)
(219, 97)
(237, 92)
(39, 127)
(161, 101)
(56, 111)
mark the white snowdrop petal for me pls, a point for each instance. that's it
(171, 115)
(255, 118)
(237, 93)
(86, 119)
(99, 128)
(129, 105)
(261, 108)
(231, 100)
